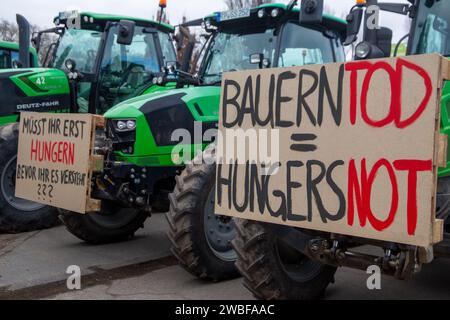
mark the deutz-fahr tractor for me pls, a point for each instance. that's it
(9, 56)
(290, 268)
(145, 162)
(95, 62)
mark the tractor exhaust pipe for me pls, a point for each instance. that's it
(189, 50)
(24, 41)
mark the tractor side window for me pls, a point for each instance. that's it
(5, 59)
(302, 46)
(15, 57)
(126, 70)
(81, 46)
(167, 47)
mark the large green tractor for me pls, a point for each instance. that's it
(95, 62)
(291, 269)
(9, 55)
(146, 161)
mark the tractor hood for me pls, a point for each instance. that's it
(201, 101)
(37, 90)
(157, 117)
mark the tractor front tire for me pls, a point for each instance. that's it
(113, 224)
(18, 215)
(274, 271)
(201, 241)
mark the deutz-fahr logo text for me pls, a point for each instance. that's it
(37, 105)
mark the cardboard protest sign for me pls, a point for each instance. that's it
(53, 159)
(348, 148)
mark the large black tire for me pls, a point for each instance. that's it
(274, 271)
(18, 215)
(443, 202)
(113, 224)
(197, 247)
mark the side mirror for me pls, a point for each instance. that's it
(384, 40)
(126, 32)
(354, 20)
(311, 11)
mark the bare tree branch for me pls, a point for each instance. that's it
(9, 32)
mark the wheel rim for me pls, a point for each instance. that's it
(219, 230)
(113, 217)
(8, 186)
(296, 265)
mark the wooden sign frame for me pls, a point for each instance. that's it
(47, 137)
(348, 137)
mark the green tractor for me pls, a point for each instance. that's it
(289, 270)
(147, 161)
(9, 56)
(95, 62)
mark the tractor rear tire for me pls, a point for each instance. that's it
(18, 215)
(201, 241)
(274, 271)
(113, 224)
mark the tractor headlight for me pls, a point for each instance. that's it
(362, 50)
(275, 13)
(121, 125)
(131, 125)
(125, 125)
(261, 13)
(122, 133)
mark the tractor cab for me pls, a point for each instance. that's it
(112, 58)
(9, 56)
(268, 36)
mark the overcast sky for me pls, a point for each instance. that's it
(42, 12)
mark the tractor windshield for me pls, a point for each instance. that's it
(432, 33)
(230, 50)
(311, 47)
(79, 45)
(128, 69)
